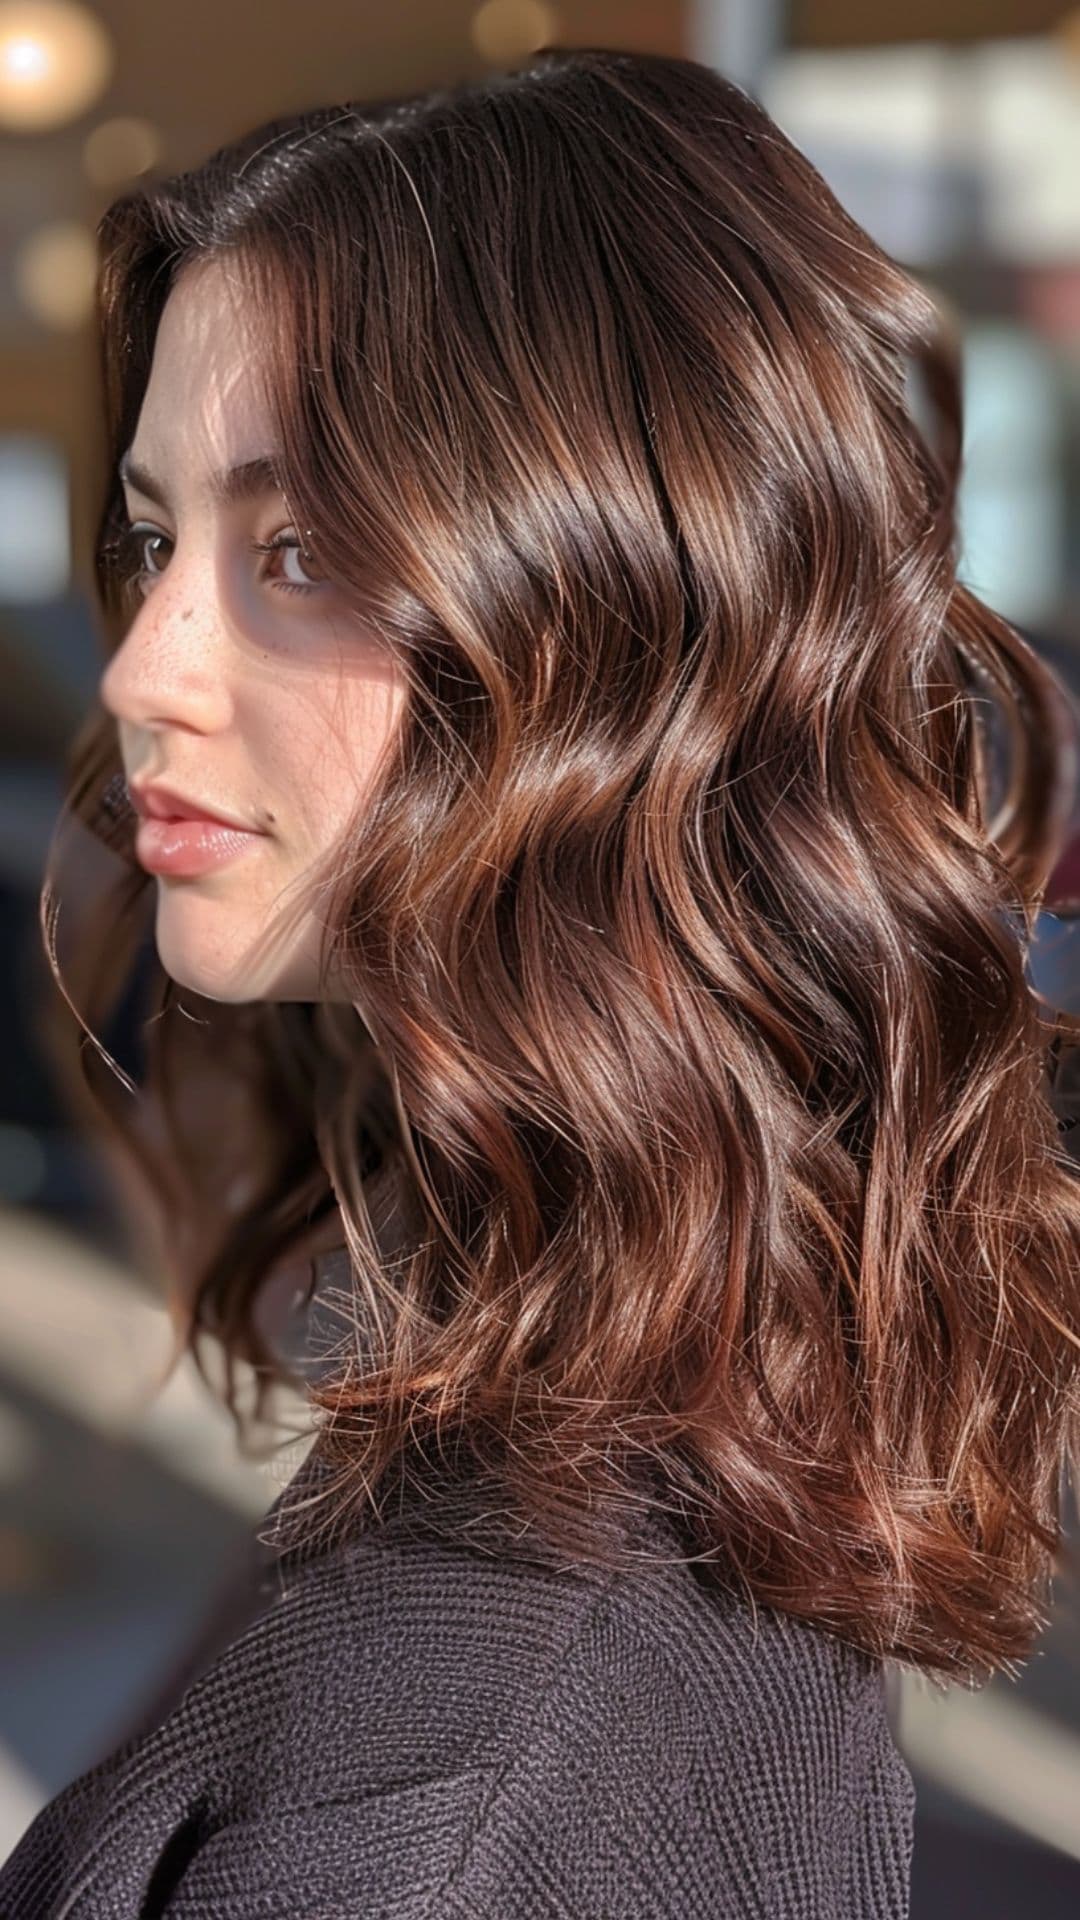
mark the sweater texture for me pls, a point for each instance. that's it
(410, 1727)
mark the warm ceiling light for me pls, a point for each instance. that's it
(55, 59)
(56, 274)
(508, 30)
(119, 150)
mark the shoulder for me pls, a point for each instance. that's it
(412, 1726)
(468, 1643)
(693, 1755)
(624, 1744)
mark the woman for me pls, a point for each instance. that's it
(529, 528)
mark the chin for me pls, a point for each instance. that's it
(232, 972)
(203, 981)
(203, 966)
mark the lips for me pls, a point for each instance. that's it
(187, 848)
(155, 801)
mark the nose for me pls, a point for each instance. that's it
(168, 670)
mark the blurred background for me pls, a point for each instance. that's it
(952, 131)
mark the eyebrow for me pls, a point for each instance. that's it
(242, 482)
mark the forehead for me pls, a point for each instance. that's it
(204, 408)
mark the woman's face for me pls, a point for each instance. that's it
(244, 681)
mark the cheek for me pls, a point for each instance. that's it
(328, 751)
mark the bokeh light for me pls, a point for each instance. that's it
(507, 30)
(55, 60)
(119, 150)
(56, 272)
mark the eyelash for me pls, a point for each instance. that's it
(124, 553)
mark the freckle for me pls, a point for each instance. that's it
(188, 611)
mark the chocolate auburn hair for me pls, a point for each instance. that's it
(689, 1042)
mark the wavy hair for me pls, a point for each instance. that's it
(689, 1059)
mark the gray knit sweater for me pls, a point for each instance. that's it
(409, 1728)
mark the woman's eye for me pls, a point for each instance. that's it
(140, 557)
(290, 548)
(133, 546)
